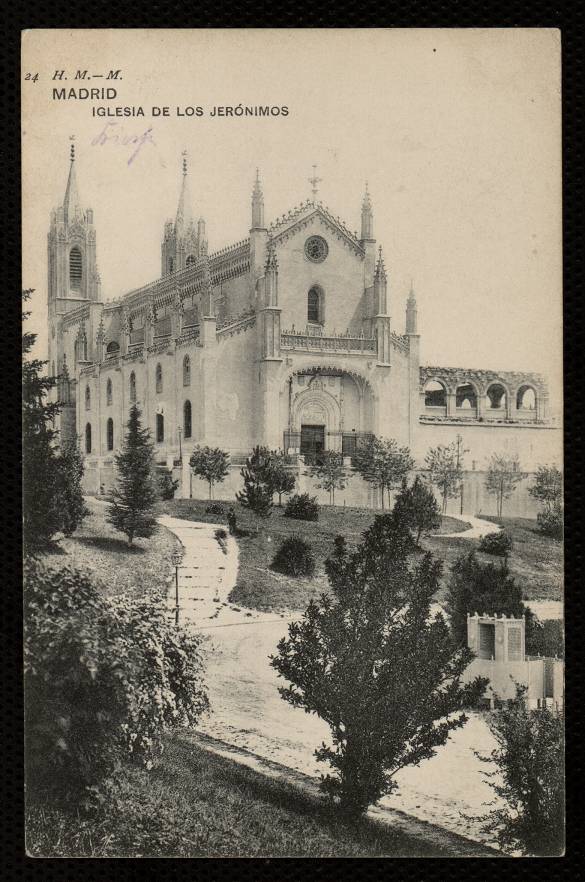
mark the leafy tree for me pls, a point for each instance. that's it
(294, 557)
(302, 507)
(256, 494)
(530, 762)
(483, 588)
(51, 483)
(369, 659)
(211, 464)
(445, 470)
(133, 497)
(546, 638)
(281, 478)
(69, 489)
(330, 472)
(381, 462)
(417, 507)
(499, 543)
(550, 522)
(503, 474)
(548, 486)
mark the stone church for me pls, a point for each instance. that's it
(288, 338)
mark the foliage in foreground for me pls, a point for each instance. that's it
(294, 558)
(104, 678)
(530, 759)
(256, 494)
(302, 507)
(417, 507)
(550, 522)
(167, 485)
(499, 544)
(370, 661)
(134, 496)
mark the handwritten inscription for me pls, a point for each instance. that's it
(113, 134)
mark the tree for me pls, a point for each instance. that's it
(257, 492)
(502, 476)
(445, 470)
(381, 462)
(281, 478)
(417, 507)
(211, 464)
(133, 497)
(483, 588)
(548, 486)
(167, 485)
(51, 483)
(530, 762)
(329, 470)
(69, 489)
(369, 659)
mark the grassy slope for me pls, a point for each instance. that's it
(197, 804)
(96, 546)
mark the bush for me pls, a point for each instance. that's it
(499, 543)
(294, 558)
(214, 508)
(550, 522)
(302, 507)
(167, 486)
(546, 638)
(104, 678)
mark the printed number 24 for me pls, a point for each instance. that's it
(32, 77)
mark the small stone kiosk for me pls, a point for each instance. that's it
(499, 646)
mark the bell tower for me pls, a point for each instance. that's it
(184, 241)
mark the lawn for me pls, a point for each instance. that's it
(96, 546)
(197, 804)
(258, 586)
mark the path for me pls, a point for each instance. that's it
(247, 710)
(478, 529)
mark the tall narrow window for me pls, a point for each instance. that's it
(75, 268)
(186, 371)
(187, 427)
(315, 306)
(190, 259)
(110, 434)
(88, 438)
(159, 383)
(132, 387)
(109, 392)
(87, 398)
(160, 428)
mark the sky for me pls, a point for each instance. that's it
(456, 131)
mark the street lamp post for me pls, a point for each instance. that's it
(180, 449)
(176, 561)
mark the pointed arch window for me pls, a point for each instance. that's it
(88, 438)
(75, 268)
(109, 392)
(315, 306)
(186, 371)
(160, 428)
(191, 259)
(110, 434)
(187, 423)
(87, 398)
(159, 379)
(133, 387)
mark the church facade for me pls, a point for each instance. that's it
(286, 339)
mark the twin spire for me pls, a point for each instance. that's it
(72, 202)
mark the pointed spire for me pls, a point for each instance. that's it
(367, 216)
(71, 203)
(257, 204)
(184, 217)
(411, 311)
(271, 261)
(380, 268)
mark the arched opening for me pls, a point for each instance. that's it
(496, 395)
(466, 398)
(526, 398)
(187, 425)
(75, 268)
(109, 392)
(159, 379)
(186, 371)
(315, 306)
(87, 398)
(110, 434)
(133, 387)
(160, 428)
(162, 322)
(435, 395)
(112, 349)
(88, 438)
(190, 259)
(171, 264)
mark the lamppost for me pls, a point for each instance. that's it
(179, 433)
(177, 556)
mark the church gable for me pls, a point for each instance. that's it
(308, 213)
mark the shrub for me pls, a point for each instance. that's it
(294, 558)
(546, 638)
(214, 508)
(550, 522)
(104, 678)
(166, 485)
(499, 543)
(302, 507)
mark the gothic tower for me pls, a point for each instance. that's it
(183, 241)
